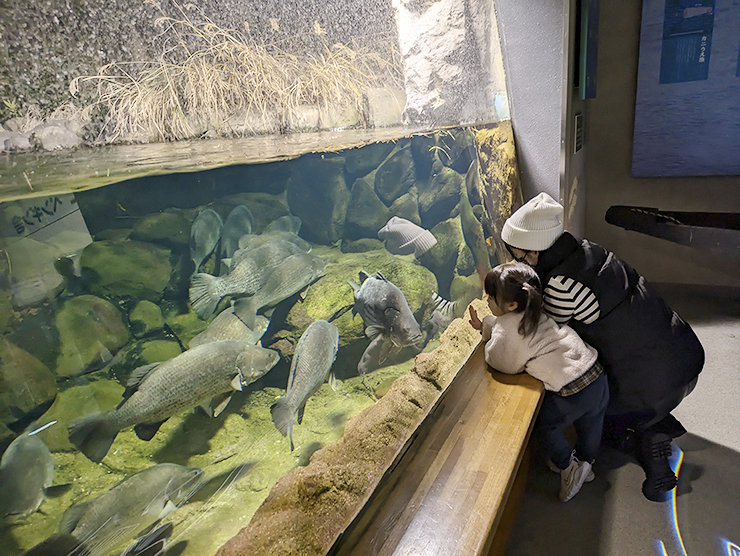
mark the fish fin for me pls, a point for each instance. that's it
(207, 408)
(219, 403)
(246, 311)
(300, 412)
(146, 431)
(72, 517)
(333, 381)
(339, 312)
(93, 435)
(169, 507)
(385, 350)
(138, 375)
(204, 296)
(269, 312)
(150, 544)
(373, 331)
(237, 384)
(282, 417)
(225, 266)
(59, 543)
(363, 276)
(54, 491)
(355, 286)
(379, 276)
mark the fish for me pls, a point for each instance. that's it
(287, 223)
(310, 368)
(204, 235)
(403, 237)
(26, 474)
(384, 310)
(471, 227)
(227, 326)
(238, 223)
(252, 241)
(248, 274)
(286, 279)
(157, 391)
(150, 544)
(132, 505)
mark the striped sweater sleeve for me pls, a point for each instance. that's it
(566, 299)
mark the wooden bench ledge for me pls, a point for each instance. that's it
(448, 492)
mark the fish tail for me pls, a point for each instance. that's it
(204, 294)
(282, 416)
(246, 309)
(93, 435)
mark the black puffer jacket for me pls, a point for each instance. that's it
(647, 350)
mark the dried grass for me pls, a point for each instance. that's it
(211, 76)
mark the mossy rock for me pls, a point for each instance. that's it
(439, 196)
(362, 161)
(169, 228)
(366, 213)
(126, 269)
(442, 258)
(139, 353)
(407, 206)
(183, 322)
(27, 386)
(395, 176)
(463, 290)
(360, 245)
(90, 330)
(35, 332)
(145, 319)
(76, 402)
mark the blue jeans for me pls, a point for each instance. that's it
(585, 411)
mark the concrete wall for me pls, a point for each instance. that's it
(608, 161)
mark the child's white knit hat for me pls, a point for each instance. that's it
(535, 225)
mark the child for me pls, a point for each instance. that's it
(520, 337)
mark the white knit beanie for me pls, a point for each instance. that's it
(535, 225)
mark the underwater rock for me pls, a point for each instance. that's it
(472, 229)
(360, 245)
(35, 332)
(424, 153)
(407, 206)
(140, 353)
(395, 176)
(169, 228)
(360, 162)
(309, 507)
(366, 213)
(318, 195)
(90, 330)
(183, 322)
(439, 196)
(27, 386)
(465, 264)
(126, 269)
(33, 275)
(463, 290)
(442, 258)
(145, 318)
(97, 395)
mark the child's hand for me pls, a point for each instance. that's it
(474, 320)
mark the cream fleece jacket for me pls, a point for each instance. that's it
(554, 354)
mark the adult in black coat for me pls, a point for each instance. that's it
(651, 356)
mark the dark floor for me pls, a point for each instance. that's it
(610, 516)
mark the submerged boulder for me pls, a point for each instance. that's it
(366, 213)
(169, 228)
(439, 196)
(91, 330)
(145, 318)
(395, 176)
(126, 269)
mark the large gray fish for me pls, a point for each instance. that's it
(227, 326)
(287, 223)
(26, 472)
(130, 506)
(252, 241)
(204, 235)
(288, 278)
(403, 237)
(238, 223)
(385, 312)
(311, 366)
(248, 274)
(156, 392)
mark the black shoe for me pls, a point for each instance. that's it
(653, 454)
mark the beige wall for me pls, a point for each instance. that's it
(609, 128)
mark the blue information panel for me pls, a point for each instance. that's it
(687, 40)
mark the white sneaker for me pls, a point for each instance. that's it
(555, 469)
(573, 477)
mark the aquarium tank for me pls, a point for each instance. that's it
(227, 232)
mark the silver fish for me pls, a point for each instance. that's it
(279, 250)
(132, 505)
(403, 237)
(26, 472)
(311, 366)
(227, 326)
(204, 235)
(252, 241)
(156, 392)
(287, 223)
(288, 278)
(247, 276)
(385, 312)
(238, 223)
